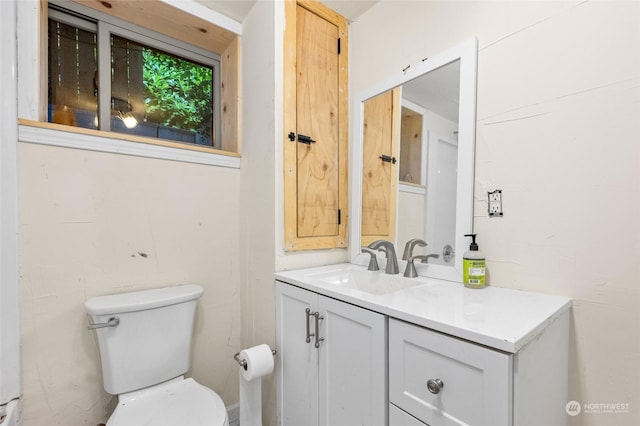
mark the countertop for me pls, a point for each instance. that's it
(500, 318)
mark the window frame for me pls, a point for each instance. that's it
(105, 25)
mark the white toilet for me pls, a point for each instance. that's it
(145, 340)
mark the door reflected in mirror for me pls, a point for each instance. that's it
(417, 147)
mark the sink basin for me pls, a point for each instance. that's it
(373, 282)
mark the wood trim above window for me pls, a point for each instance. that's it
(166, 19)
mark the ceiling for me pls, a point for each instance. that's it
(239, 9)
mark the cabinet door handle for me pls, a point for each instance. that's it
(301, 138)
(309, 334)
(387, 159)
(318, 338)
(435, 386)
(305, 139)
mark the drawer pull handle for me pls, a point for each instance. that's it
(435, 386)
(318, 338)
(309, 333)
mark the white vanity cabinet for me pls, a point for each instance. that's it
(439, 380)
(417, 352)
(331, 362)
(446, 381)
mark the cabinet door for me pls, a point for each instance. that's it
(297, 360)
(353, 361)
(475, 382)
(315, 124)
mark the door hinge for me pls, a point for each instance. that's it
(339, 217)
(338, 45)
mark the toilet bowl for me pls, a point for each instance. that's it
(144, 339)
(182, 402)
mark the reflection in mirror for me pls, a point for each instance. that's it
(380, 135)
(435, 98)
(416, 135)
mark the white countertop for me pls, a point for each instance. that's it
(501, 318)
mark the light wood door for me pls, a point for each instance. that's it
(381, 133)
(411, 146)
(316, 127)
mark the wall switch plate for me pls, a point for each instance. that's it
(495, 203)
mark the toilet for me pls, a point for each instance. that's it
(145, 339)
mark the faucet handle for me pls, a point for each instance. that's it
(373, 260)
(425, 259)
(408, 248)
(410, 270)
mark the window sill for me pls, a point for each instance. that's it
(117, 143)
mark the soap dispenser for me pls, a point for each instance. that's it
(473, 265)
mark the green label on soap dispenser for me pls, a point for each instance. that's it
(474, 272)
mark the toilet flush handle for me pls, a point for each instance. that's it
(113, 321)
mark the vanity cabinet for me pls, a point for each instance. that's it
(315, 142)
(331, 363)
(439, 380)
(442, 380)
(417, 351)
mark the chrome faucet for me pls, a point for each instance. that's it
(408, 248)
(390, 254)
(410, 271)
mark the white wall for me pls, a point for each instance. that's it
(558, 132)
(410, 217)
(9, 274)
(257, 188)
(95, 223)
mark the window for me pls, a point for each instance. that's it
(157, 87)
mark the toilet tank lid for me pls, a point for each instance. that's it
(142, 300)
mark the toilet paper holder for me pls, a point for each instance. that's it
(243, 362)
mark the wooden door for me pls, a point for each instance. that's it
(381, 132)
(316, 127)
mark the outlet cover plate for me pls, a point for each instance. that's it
(495, 203)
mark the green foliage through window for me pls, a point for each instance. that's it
(178, 93)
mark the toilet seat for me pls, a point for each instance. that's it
(182, 402)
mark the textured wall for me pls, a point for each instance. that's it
(94, 223)
(558, 132)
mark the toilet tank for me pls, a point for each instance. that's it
(152, 342)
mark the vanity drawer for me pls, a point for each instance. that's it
(443, 381)
(397, 417)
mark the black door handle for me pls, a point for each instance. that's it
(387, 159)
(301, 138)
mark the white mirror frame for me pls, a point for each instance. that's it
(467, 53)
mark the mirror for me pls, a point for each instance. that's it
(414, 138)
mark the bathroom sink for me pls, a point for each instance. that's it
(357, 278)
